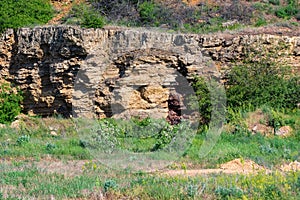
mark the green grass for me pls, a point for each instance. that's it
(68, 144)
(16, 14)
(241, 143)
(31, 182)
(22, 178)
(37, 143)
(269, 152)
(22, 151)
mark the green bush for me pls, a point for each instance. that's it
(85, 16)
(147, 12)
(204, 99)
(10, 103)
(286, 12)
(211, 100)
(23, 139)
(254, 84)
(110, 185)
(19, 13)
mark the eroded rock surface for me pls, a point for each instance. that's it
(121, 72)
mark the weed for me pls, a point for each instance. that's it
(231, 192)
(90, 166)
(272, 192)
(50, 147)
(191, 190)
(110, 185)
(260, 22)
(23, 139)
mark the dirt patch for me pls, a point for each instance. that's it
(77, 167)
(237, 166)
(67, 168)
(240, 165)
(293, 166)
(63, 7)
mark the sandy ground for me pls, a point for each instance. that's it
(77, 167)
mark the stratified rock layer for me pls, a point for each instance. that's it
(121, 72)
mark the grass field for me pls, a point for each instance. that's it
(36, 163)
(24, 180)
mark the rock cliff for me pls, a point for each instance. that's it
(123, 72)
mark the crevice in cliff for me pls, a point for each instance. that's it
(143, 80)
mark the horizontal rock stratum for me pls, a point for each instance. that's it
(123, 72)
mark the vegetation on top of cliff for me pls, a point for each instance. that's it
(20, 13)
(185, 16)
(201, 17)
(85, 16)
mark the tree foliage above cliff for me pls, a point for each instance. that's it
(20, 13)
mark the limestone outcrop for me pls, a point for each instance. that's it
(123, 72)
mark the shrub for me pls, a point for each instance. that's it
(118, 10)
(147, 11)
(15, 14)
(286, 12)
(110, 185)
(237, 10)
(204, 99)
(23, 139)
(211, 100)
(275, 120)
(85, 16)
(261, 21)
(50, 147)
(254, 84)
(10, 103)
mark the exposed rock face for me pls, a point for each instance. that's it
(120, 72)
(43, 63)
